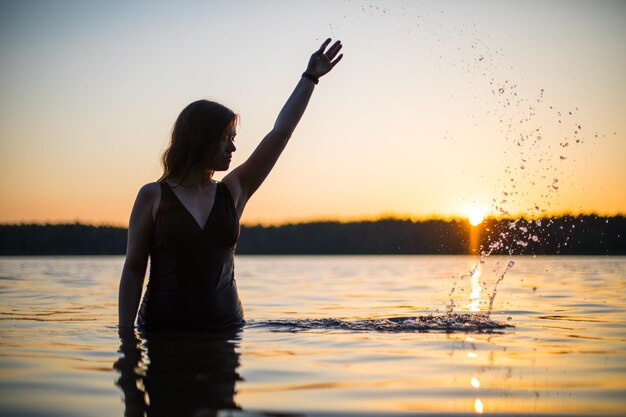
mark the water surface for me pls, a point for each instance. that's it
(563, 352)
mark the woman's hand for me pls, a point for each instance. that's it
(322, 62)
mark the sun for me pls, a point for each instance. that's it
(475, 216)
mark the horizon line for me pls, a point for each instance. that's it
(342, 220)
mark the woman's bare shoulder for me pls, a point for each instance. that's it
(149, 192)
(150, 195)
(150, 188)
(149, 198)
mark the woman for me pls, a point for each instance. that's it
(188, 224)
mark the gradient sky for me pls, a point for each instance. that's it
(436, 108)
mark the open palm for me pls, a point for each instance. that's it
(321, 62)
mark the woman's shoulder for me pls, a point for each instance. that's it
(149, 193)
(150, 189)
(149, 196)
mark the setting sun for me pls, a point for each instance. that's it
(475, 216)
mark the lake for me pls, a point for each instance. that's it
(325, 336)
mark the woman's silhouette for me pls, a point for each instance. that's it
(188, 224)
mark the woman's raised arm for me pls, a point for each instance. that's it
(244, 180)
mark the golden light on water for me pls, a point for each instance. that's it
(478, 406)
(475, 382)
(475, 299)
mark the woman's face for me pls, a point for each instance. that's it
(225, 150)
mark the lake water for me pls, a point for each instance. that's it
(564, 352)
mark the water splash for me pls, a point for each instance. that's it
(450, 322)
(495, 287)
(475, 299)
(451, 304)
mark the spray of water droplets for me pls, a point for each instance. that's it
(539, 141)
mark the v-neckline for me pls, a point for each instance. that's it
(201, 227)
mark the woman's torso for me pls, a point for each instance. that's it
(192, 283)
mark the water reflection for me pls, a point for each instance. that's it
(475, 297)
(181, 374)
(478, 406)
(474, 381)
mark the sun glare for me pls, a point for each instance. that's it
(475, 216)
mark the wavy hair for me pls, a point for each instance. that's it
(195, 136)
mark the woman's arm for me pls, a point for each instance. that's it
(243, 181)
(137, 252)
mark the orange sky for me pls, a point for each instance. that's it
(435, 109)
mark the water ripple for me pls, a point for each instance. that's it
(452, 322)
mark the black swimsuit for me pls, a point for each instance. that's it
(192, 276)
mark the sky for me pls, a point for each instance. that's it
(437, 109)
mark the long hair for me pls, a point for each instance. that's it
(196, 133)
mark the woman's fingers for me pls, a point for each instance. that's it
(333, 63)
(324, 45)
(333, 50)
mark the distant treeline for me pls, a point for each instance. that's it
(566, 235)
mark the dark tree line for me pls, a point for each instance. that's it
(570, 235)
(61, 239)
(389, 236)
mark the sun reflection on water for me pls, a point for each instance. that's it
(474, 382)
(475, 298)
(478, 406)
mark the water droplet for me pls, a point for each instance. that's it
(501, 90)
